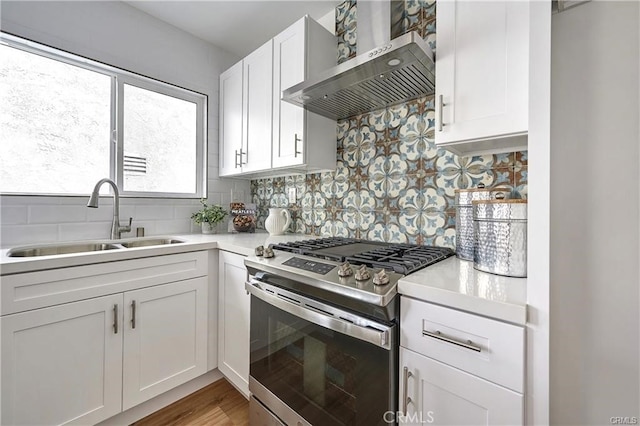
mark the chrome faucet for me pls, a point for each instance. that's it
(116, 228)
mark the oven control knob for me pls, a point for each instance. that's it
(259, 251)
(381, 277)
(363, 274)
(268, 252)
(345, 270)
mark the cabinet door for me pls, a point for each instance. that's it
(63, 364)
(233, 321)
(482, 70)
(165, 338)
(442, 395)
(257, 108)
(230, 120)
(288, 119)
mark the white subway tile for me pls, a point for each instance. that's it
(13, 235)
(126, 212)
(56, 214)
(215, 198)
(84, 231)
(153, 212)
(214, 147)
(79, 201)
(101, 214)
(184, 212)
(13, 215)
(26, 200)
(173, 226)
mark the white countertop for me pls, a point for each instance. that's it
(452, 282)
(238, 243)
(456, 284)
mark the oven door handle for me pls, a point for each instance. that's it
(323, 315)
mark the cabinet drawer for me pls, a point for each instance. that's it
(442, 395)
(487, 348)
(32, 290)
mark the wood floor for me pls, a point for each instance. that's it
(218, 404)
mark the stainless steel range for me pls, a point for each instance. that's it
(324, 329)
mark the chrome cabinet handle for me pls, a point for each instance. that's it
(296, 139)
(438, 335)
(441, 106)
(245, 155)
(238, 160)
(133, 314)
(405, 381)
(115, 319)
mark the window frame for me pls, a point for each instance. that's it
(120, 77)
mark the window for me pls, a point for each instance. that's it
(66, 122)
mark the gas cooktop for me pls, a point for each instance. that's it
(400, 258)
(337, 269)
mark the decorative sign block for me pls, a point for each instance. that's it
(243, 217)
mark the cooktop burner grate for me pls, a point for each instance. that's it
(401, 258)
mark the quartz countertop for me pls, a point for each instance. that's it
(452, 282)
(456, 284)
(240, 243)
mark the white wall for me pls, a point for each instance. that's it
(119, 35)
(594, 288)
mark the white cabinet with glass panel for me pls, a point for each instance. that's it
(91, 341)
(296, 141)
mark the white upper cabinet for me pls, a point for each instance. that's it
(482, 76)
(261, 135)
(231, 120)
(301, 138)
(245, 113)
(256, 114)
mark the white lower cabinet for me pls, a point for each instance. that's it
(63, 365)
(442, 395)
(84, 361)
(165, 338)
(233, 321)
(457, 368)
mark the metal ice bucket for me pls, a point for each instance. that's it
(500, 229)
(464, 215)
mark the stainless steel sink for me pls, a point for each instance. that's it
(53, 249)
(150, 242)
(88, 246)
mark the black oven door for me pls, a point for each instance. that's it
(328, 366)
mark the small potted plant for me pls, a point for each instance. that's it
(208, 216)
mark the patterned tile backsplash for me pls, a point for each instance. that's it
(391, 183)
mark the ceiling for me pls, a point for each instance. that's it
(236, 26)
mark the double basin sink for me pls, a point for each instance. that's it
(88, 246)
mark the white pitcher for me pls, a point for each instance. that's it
(278, 221)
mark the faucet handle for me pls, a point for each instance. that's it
(126, 228)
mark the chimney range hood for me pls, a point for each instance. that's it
(396, 71)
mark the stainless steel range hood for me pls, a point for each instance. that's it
(396, 71)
